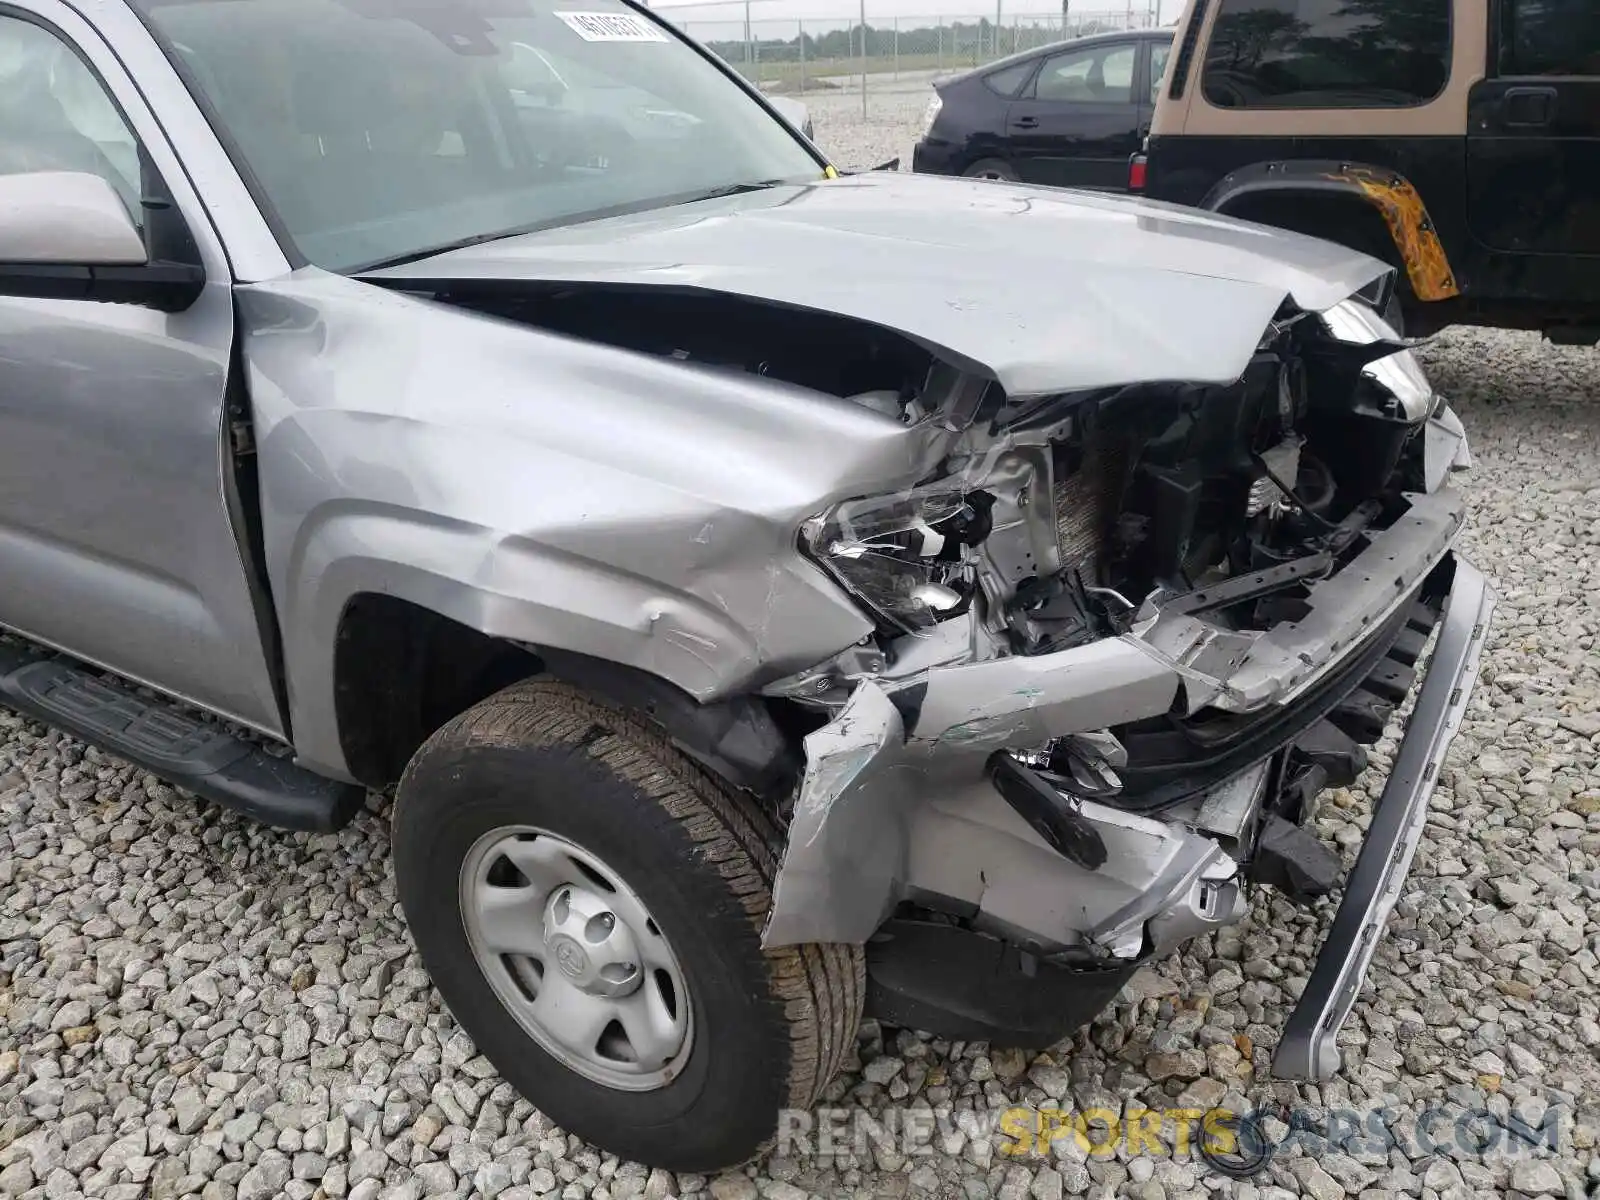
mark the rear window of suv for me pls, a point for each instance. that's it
(1327, 53)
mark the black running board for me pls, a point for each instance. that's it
(170, 743)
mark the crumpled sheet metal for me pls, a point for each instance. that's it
(846, 862)
(1444, 448)
(846, 854)
(1291, 657)
(1021, 701)
(870, 778)
(974, 273)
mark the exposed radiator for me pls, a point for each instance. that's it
(1086, 504)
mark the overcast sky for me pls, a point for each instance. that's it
(768, 12)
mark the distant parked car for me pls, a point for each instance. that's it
(793, 111)
(1069, 114)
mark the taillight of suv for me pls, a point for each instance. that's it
(1137, 165)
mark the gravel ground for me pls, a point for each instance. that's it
(193, 1005)
(889, 130)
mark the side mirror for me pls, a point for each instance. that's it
(65, 235)
(66, 217)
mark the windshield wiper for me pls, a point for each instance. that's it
(476, 239)
(731, 189)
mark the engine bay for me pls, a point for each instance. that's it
(1174, 491)
(1060, 519)
(1071, 518)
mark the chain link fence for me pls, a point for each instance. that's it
(827, 54)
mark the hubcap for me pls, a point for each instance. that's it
(576, 958)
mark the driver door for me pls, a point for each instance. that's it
(118, 540)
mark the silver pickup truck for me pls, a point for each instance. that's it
(774, 594)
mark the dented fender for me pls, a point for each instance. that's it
(429, 453)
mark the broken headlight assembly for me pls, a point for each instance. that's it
(904, 557)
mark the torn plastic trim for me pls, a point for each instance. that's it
(1244, 672)
(1357, 324)
(1028, 700)
(846, 853)
(879, 820)
(883, 755)
(1194, 885)
(1444, 448)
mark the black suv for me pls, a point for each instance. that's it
(1457, 139)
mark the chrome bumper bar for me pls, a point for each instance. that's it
(1307, 1049)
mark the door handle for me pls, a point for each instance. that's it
(1026, 122)
(1528, 107)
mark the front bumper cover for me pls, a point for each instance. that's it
(1308, 1047)
(896, 795)
(895, 803)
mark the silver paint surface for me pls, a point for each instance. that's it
(1043, 290)
(115, 540)
(65, 216)
(644, 511)
(962, 841)
(849, 834)
(544, 489)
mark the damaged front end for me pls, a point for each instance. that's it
(1124, 639)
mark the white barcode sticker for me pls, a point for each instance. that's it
(611, 27)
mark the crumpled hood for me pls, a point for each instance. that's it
(1045, 290)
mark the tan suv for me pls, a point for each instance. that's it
(1457, 139)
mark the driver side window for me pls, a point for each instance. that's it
(55, 115)
(1096, 75)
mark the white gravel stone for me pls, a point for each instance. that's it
(1536, 1177)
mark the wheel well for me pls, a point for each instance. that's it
(401, 671)
(1347, 220)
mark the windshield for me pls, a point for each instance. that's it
(381, 130)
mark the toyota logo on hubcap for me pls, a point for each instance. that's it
(569, 957)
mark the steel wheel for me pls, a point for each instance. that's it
(576, 958)
(991, 168)
(589, 902)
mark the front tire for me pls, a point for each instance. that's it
(589, 903)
